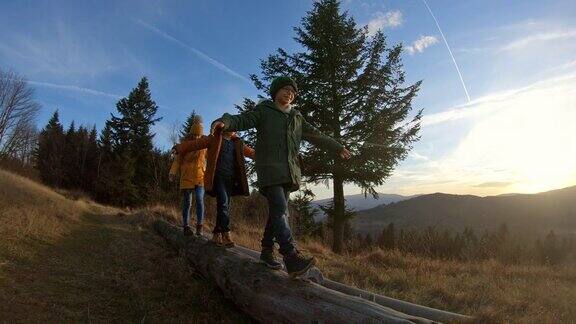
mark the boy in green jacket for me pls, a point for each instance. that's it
(279, 131)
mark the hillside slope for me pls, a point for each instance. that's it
(359, 202)
(69, 261)
(75, 261)
(525, 214)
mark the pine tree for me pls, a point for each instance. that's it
(49, 154)
(306, 225)
(104, 164)
(185, 129)
(387, 238)
(352, 87)
(249, 137)
(115, 172)
(131, 140)
(89, 162)
(71, 158)
(329, 210)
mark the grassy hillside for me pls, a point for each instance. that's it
(64, 260)
(527, 215)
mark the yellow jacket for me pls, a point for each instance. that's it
(191, 167)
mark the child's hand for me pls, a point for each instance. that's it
(345, 154)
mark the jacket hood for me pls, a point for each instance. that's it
(197, 129)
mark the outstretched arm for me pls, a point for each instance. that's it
(192, 145)
(243, 121)
(316, 137)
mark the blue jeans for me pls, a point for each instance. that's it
(277, 226)
(222, 189)
(187, 195)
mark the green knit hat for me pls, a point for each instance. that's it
(281, 82)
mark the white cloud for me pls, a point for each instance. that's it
(538, 38)
(419, 45)
(382, 20)
(490, 102)
(417, 156)
(58, 51)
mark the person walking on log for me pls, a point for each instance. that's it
(225, 175)
(279, 131)
(191, 166)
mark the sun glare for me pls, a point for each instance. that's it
(528, 139)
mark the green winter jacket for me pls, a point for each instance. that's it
(278, 140)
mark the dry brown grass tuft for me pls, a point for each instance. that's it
(489, 290)
(65, 260)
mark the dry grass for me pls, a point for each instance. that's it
(489, 290)
(65, 260)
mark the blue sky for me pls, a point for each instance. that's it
(517, 60)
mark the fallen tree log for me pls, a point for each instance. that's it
(396, 304)
(271, 296)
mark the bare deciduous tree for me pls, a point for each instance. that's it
(18, 112)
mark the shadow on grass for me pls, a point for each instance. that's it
(108, 269)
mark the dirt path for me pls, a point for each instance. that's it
(108, 269)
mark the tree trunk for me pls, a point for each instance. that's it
(271, 296)
(339, 214)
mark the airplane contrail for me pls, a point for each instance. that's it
(74, 88)
(195, 51)
(449, 50)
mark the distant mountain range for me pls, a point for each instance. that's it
(359, 202)
(524, 214)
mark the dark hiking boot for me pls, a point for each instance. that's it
(297, 263)
(267, 257)
(199, 230)
(227, 240)
(187, 230)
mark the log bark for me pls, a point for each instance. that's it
(271, 296)
(396, 304)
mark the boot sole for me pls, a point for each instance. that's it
(295, 274)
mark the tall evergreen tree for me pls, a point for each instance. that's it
(115, 172)
(71, 158)
(49, 154)
(352, 87)
(132, 138)
(89, 162)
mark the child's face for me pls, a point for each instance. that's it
(285, 95)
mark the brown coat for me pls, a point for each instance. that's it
(213, 144)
